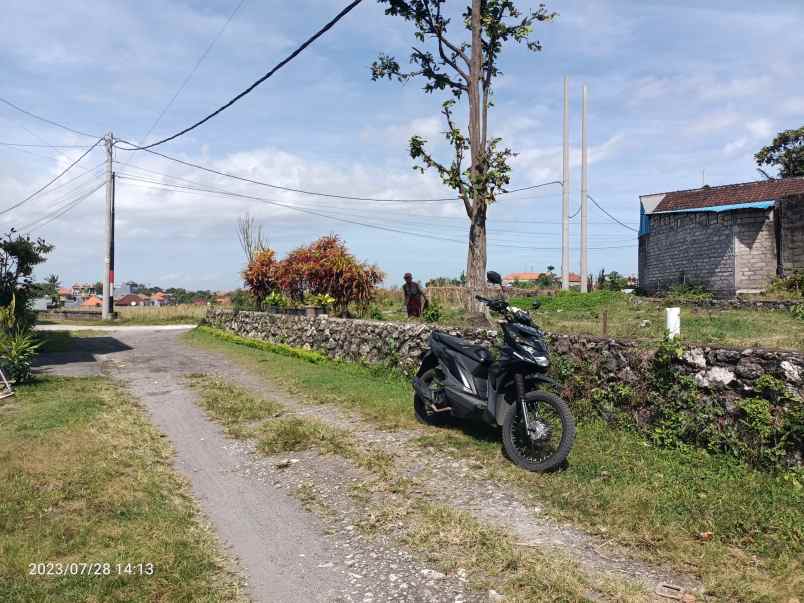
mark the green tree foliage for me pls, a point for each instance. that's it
(786, 153)
(18, 256)
(448, 62)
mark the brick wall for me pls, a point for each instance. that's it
(691, 247)
(793, 234)
(754, 250)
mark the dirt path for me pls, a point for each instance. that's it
(289, 554)
(286, 553)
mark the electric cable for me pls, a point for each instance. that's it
(314, 193)
(46, 120)
(39, 190)
(59, 212)
(193, 70)
(276, 68)
(43, 146)
(356, 222)
(623, 224)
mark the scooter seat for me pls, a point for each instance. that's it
(475, 352)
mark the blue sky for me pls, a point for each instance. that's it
(674, 89)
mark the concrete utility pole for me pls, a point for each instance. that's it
(108, 268)
(565, 189)
(584, 194)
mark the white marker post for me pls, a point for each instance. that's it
(673, 322)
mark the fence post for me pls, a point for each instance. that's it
(605, 323)
(673, 322)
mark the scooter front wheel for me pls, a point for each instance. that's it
(543, 442)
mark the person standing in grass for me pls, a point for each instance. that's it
(415, 301)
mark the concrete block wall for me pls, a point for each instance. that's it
(755, 263)
(793, 234)
(696, 247)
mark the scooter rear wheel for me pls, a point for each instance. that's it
(421, 408)
(552, 433)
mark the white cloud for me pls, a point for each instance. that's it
(735, 146)
(760, 128)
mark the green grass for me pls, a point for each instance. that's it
(231, 406)
(657, 501)
(578, 313)
(85, 478)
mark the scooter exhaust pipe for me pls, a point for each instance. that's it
(423, 390)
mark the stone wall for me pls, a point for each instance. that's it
(729, 372)
(793, 234)
(587, 367)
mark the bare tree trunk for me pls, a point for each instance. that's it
(476, 258)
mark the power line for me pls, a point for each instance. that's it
(276, 68)
(623, 224)
(43, 146)
(315, 193)
(59, 212)
(428, 216)
(193, 70)
(346, 220)
(416, 220)
(46, 120)
(39, 190)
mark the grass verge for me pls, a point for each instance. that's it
(660, 502)
(85, 478)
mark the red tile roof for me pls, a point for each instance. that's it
(746, 192)
(522, 276)
(92, 301)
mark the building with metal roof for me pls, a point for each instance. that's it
(728, 239)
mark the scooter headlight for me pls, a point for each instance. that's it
(535, 356)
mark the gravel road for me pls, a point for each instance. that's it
(285, 553)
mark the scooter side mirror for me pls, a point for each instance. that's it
(494, 277)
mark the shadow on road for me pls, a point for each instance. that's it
(79, 357)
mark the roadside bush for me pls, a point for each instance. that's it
(798, 311)
(432, 313)
(17, 351)
(325, 267)
(260, 276)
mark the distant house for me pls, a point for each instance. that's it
(84, 290)
(132, 299)
(522, 277)
(729, 239)
(121, 291)
(160, 299)
(66, 294)
(93, 301)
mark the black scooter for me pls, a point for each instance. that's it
(463, 380)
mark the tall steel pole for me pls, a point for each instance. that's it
(108, 268)
(584, 193)
(565, 189)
